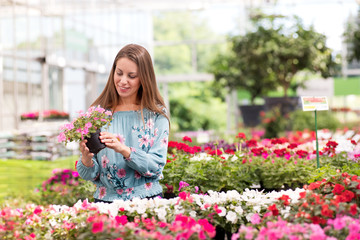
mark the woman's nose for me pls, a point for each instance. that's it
(123, 79)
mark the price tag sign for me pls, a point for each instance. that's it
(311, 103)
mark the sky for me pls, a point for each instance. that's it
(328, 16)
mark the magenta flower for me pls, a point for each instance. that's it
(182, 184)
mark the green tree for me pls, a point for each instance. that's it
(352, 38)
(269, 56)
(177, 36)
(193, 106)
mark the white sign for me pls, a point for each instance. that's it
(311, 103)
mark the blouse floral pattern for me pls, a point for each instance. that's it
(117, 177)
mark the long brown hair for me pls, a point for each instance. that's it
(148, 95)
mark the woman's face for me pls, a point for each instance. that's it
(126, 79)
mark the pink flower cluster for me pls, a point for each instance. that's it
(84, 124)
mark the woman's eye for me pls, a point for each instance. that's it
(132, 77)
(118, 73)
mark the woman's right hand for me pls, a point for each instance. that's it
(86, 155)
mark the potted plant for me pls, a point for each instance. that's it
(87, 126)
(268, 57)
(288, 49)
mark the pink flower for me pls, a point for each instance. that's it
(97, 227)
(119, 191)
(129, 191)
(121, 138)
(61, 137)
(255, 219)
(121, 219)
(121, 173)
(164, 141)
(104, 161)
(144, 141)
(38, 210)
(102, 192)
(137, 175)
(148, 185)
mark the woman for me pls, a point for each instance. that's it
(136, 142)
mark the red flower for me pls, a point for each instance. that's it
(187, 139)
(241, 135)
(317, 220)
(302, 194)
(230, 151)
(292, 145)
(258, 151)
(170, 188)
(280, 152)
(331, 144)
(251, 143)
(275, 141)
(302, 153)
(325, 211)
(215, 152)
(314, 185)
(348, 195)
(353, 209)
(338, 189)
(285, 198)
(274, 210)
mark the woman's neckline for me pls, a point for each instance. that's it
(128, 108)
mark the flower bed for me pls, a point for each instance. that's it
(47, 114)
(271, 164)
(211, 189)
(326, 210)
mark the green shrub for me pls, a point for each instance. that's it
(65, 187)
(301, 120)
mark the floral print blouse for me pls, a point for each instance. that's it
(117, 177)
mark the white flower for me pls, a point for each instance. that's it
(192, 214)
(231, 217)
(249, 216)
(239, 210)
(223, 211)
(161, 213)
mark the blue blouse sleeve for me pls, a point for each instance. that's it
(88, 173)
(151, 163)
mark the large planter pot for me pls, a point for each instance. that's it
(286, 104)
(251, 114)
(93, 142)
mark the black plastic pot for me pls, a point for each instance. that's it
(93, 142)
(251, 114)
(286, 104)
